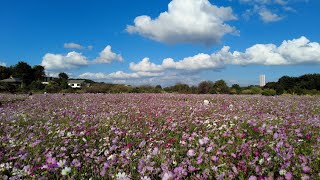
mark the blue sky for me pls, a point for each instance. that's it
(162, 41)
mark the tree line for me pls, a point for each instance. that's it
(32, 78)
(306, 84)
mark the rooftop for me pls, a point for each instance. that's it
(76, 81)
(12, 80)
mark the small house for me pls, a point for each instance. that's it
(76, 83)
(47, 79)
(12, 80)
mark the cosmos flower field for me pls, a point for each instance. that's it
(159, 136)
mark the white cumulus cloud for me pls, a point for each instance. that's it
(267, 16)
(194, 63)
(264, 2)
(72, 46)
(296, 51)
(270, 10)
(201, 61)
(145, 65)
(118, 75)
(122, 75)
(72, 60)
(3, 64)
(191, 21)
(90, 75)
(289, 52)
(107, 56)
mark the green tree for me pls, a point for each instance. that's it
(246, 91)
(158, 87)
(36, 86)
(236, 86)
(269, 92)
(279, 89)
(52, 87)
(236, 89)
(181, 88)
(221, 87)
(24, 71)
(63, 76)
(270, 85)
(63, 80)
(5, 87)
(38, 72)
(64, 84)
(205, 87)
(120, 88)
(256, 90)
(4, 72)
(288, 83)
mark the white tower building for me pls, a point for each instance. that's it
(262, 79)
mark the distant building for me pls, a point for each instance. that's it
(47, 79)
(76, 83)
(12, 81)
(262, 79)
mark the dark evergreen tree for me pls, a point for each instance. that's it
(205, 87)
(4, 72)
(24, 71)
(38, 72)
(63, 76)
(221, 87)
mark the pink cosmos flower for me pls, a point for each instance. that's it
(308, 136)
(203, 141)
(76, 163)
(167, 176)
(214, 158)
(305, 177)
(288, 176)
(191, 153)
(51, 162)
(306, 169)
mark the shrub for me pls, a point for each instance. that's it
(311, 92)
(256, 90)
(269, 92)
(233, 91)
(246, 91)
(52, 87)
(36, 86)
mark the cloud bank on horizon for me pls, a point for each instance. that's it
(290, 52)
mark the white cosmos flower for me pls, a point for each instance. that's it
(121, 175)
(145, 178)
(65, 171)
(282, 172)
(61, 163)
(261, 161)
(69, 134)
(110, 157)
